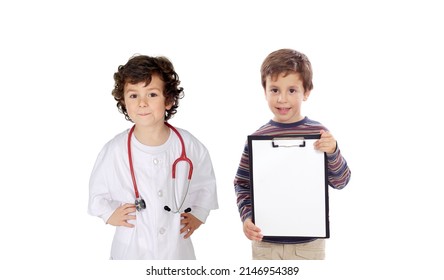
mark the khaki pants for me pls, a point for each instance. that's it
(314, 250)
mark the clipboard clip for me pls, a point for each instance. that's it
(290, 142)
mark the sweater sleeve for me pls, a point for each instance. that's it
(338, 172)
(242, 186)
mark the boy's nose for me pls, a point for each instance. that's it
(282, 97)
(143, 102)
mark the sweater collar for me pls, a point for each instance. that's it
(286, 125)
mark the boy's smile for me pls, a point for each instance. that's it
(283, 111)
(285, 94)
(143, 114)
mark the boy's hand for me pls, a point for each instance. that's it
(251, 231)
(122, 214)
(327, 143)
(190, 223)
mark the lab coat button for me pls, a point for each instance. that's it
(161, 230)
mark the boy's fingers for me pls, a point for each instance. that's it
(182, 230)
(253, 228)
(184, 219)
(188, 229)
(125, 224)
(190, 232)
(129, 206)
(257, 237)
(129, 210)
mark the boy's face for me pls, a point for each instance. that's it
(285, 94)
(145, 104)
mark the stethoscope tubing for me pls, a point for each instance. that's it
(130, 160)
(183, 157)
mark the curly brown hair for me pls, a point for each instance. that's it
(285, 61)
(141, 68)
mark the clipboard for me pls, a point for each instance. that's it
(289, 187)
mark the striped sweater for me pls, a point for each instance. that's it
(337, 169)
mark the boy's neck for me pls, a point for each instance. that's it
(152, 135)
(292, 121)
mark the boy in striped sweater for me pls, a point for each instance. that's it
(286, 77)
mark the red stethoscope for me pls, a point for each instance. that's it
(140, 202)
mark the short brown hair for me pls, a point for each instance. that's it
(285, 61)
(141, 68)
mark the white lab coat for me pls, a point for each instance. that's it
(156, 234)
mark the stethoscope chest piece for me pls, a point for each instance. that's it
(140, 204)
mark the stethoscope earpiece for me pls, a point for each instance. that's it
(168, 209)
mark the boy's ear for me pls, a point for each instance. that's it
(306, 94)
(169, 106)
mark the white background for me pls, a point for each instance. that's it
(378, 87)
